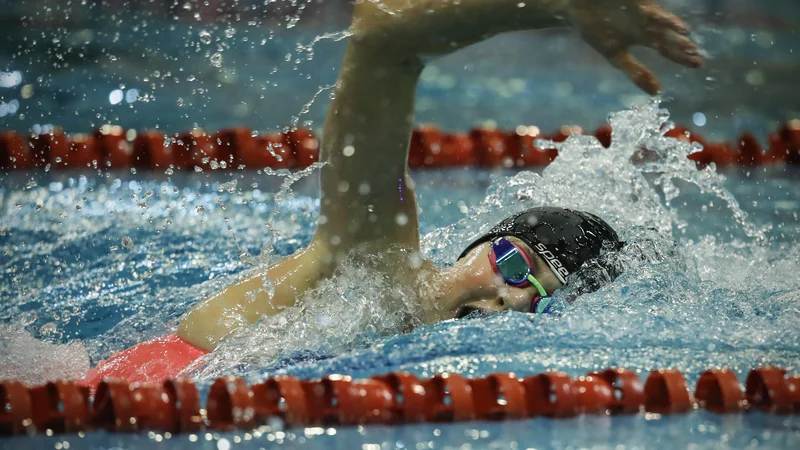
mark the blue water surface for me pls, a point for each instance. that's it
(114, 259)
(92, 263)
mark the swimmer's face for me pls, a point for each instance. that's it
(473, 285)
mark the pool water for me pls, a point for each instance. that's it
(95, 262)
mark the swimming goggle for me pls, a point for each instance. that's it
(512, 263)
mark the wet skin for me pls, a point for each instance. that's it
(472, 284)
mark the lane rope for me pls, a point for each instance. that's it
(393, 399)
(112, 147)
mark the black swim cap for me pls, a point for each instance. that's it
(564, 238)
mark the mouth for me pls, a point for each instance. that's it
(471, 311)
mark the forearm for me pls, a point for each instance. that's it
(364, 182)
(443, 26)
(264, 294)
(367, 195)
(503, 15)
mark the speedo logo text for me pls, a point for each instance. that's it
(552, 261)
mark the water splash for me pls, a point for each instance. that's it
(699, 288)
(350, 310)
(307, 107)
(34, 361)
(625, 184)
(334, 36)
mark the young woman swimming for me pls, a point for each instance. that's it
(367, 203)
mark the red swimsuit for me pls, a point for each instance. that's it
(153, 361)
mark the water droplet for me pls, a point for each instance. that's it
(48, 329)
(216, 59)
(28, 318)
(205, 37)
(200, 209)
(133, 170)
(127, 242)
(229, 33)
(180, 102)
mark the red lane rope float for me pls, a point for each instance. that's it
(336, 400)
(239, 148)
(665, 392)
(61, 406)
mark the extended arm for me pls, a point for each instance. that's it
(263, 294)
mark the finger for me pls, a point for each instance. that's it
(663, 19)
(636, 71)
(679, 49)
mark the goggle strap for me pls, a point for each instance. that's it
(538, 285)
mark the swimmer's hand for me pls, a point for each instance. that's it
(613, 26)
(409, 30)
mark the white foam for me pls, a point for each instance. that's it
(33, 362)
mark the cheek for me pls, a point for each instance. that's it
(479, 271)
(520, 299)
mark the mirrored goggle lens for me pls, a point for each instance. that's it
(511, 263)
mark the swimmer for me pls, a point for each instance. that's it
(367, 200)
(367, 203)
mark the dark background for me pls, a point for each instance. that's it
(221, 63)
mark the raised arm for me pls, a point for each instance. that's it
(367, 195)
